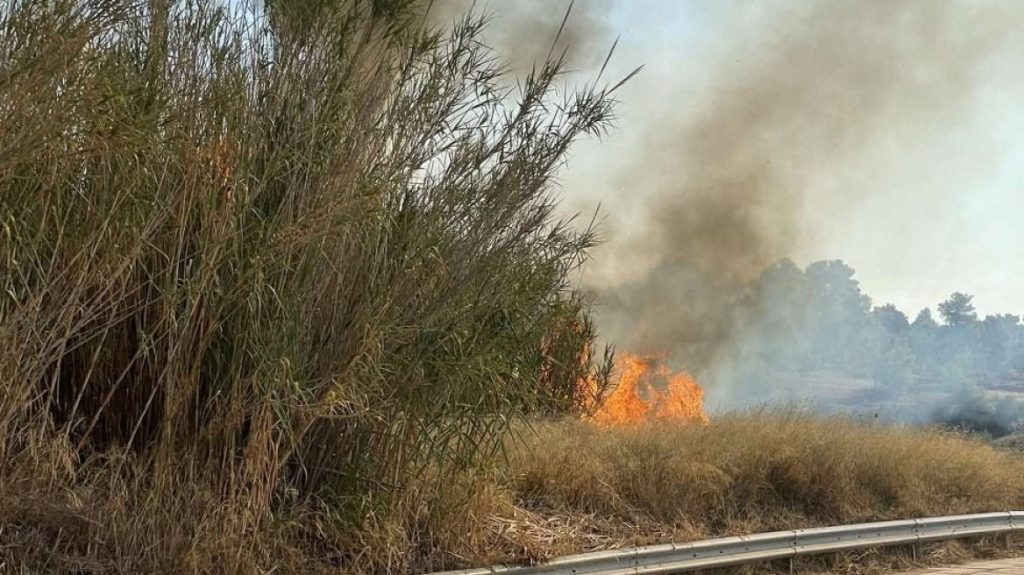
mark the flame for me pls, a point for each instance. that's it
(648, 391)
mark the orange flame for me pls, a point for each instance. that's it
(666, 396)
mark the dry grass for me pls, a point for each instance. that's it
(763, 471)
(575, 487)
(1012, 443)
(565, 487)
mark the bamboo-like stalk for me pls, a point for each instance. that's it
(304, 250)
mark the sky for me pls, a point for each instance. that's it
(885, 134)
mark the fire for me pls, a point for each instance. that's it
(649, 391)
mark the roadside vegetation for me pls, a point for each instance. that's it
(268, 274)
(572, 486)
(282, 289)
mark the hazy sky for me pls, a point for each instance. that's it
(887, 134)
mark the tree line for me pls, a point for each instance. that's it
(819, 318)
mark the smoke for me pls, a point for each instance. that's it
(799, 99)
(749, 151)
(523, 32)
(971, 410)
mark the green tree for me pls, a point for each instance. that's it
(924, 320)
(891, 318)
(779, 304)
(837, 316)
(922, 337)
(999, 340)
(894, 365)
(958, 310)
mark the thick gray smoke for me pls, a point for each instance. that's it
(796, 99)
(804, 96)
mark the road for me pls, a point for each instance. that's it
(999, 567)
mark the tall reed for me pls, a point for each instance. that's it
(296, 254)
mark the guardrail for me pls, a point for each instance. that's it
(730, 551)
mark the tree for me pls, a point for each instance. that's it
(924, 320)
(999, 341)
(891, 318)
(837, 315)
(922, 337)
(832, 282)
(894, 365)
(778, 304)
(958, 310)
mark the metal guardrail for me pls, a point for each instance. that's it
(729, 551)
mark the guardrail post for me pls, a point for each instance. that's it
(792, 569)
